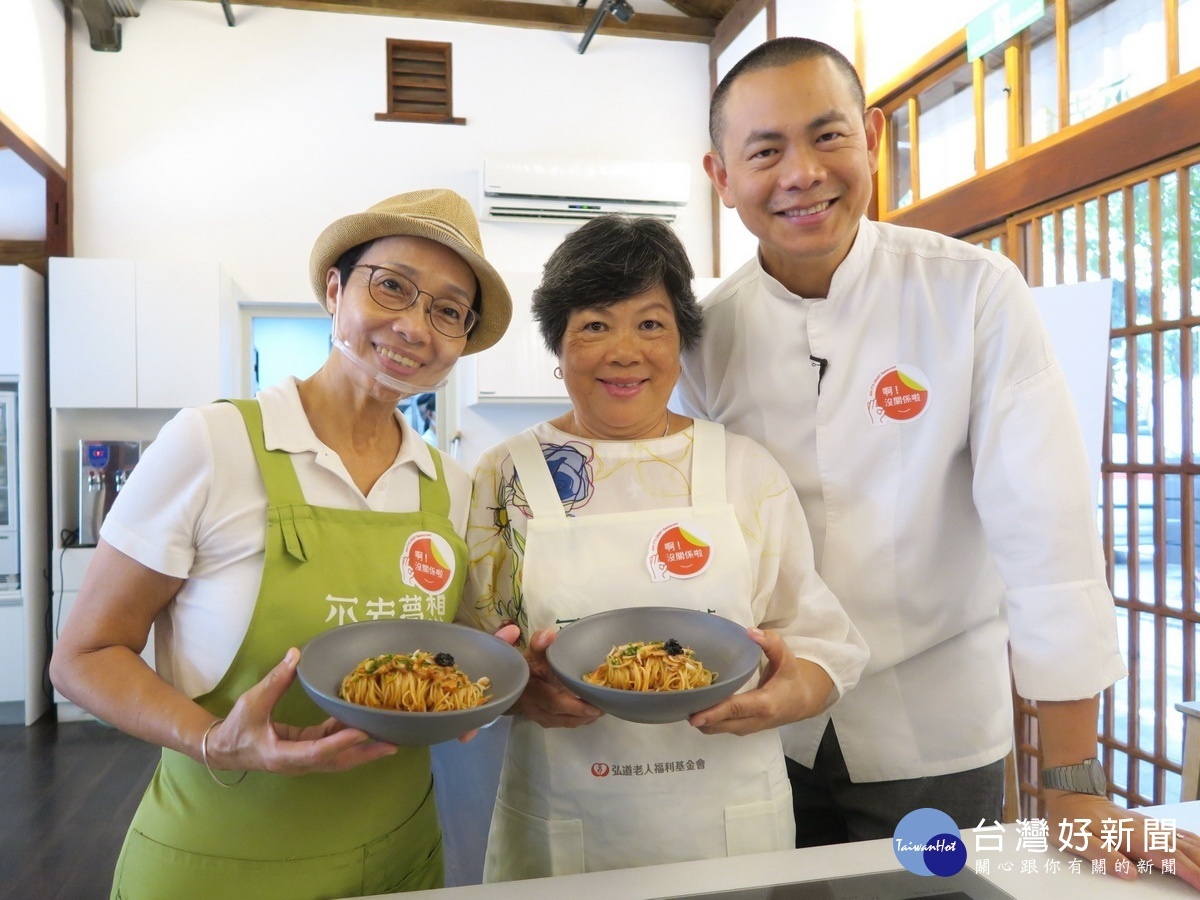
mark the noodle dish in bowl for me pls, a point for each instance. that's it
(411, 681)
(653, 664)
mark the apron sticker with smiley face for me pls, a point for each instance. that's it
(427, 562)
(678, 552)
(899, 394)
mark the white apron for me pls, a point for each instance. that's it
(616, 794)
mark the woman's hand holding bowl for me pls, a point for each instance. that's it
(790, 689)
(545, 700)
(250, 739)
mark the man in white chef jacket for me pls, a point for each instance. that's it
(906, 384)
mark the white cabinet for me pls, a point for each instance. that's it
(23, 611)
(12, 650)
(130, 343)
(64, 601)
(74, 562)
(155, 335)
(93, 338)
(10, 338)
(185, 341)
(70, 564)
(519, 368)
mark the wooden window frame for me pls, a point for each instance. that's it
(1078, 154)
(413, 86)
(910, 98)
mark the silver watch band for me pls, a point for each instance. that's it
(1086, 777)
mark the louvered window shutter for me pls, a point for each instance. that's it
(419, 83)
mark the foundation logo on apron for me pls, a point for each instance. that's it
(427, 562)
(899, 394)
(678, 551)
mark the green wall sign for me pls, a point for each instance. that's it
(998, 23)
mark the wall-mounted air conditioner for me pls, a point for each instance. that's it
(546, 189)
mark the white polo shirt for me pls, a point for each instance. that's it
(195, 508)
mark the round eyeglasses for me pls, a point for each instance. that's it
(397, 292)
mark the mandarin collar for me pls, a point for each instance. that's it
(846, 272)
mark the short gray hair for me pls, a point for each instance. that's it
(610, 259)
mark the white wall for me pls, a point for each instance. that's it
(241, 144)
(33, 83)
(202, 141)
(33, 92)
(832, 23)
(737, 243)
(894, 37)
(22, 200)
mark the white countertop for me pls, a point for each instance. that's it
(1009, 869)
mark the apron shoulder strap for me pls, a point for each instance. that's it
(278, 473)
(435, 493)
(708, 463)
(538, 485)
(283, 487)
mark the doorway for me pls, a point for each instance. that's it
(293, 339)
(285, 343)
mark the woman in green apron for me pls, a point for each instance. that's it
(621, 502)
(251, 526)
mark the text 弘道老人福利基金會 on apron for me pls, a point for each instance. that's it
(615, 794)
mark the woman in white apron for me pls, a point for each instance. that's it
(250, 527)
(620, 502)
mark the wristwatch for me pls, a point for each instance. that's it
(1086, 777)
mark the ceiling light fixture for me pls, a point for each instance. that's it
(620, 9)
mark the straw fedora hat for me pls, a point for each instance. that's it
(439, 215)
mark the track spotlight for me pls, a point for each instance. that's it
(619, 8)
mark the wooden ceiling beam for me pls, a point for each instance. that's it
(516, 14)
(28, 253)
(702, 9)
(29, 150)
(732, 23)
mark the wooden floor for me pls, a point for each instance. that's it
(69, 790)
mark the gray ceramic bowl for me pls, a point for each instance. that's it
(333, 654)
(721, 645)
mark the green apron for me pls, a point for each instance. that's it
(370, 830)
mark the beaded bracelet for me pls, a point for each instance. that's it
(204, 756)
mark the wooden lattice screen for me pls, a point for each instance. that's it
(1142, 230)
